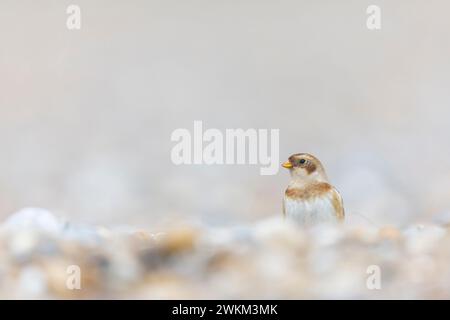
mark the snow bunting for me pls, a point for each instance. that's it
(310, 199)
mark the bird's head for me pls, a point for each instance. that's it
(306, 168)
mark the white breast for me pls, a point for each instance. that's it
(310, 212)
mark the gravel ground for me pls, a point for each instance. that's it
(41, 257)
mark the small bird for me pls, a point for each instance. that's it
(309, 198)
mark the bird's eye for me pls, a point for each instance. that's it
(302, 161)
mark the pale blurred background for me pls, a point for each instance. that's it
(86, 116)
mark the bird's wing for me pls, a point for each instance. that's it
(338, 204)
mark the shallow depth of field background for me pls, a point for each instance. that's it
(86, 116)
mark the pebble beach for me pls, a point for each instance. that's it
(271, 259)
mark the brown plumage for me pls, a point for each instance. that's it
(310, 198)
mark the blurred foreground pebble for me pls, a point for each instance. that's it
(44, 257)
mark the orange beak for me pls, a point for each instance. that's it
(287, 165)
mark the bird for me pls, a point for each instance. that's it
(310, 199)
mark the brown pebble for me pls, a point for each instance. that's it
(389, 233)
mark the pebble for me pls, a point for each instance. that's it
(269, 259)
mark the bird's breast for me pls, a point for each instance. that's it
(310, 211)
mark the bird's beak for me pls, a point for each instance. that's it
(287, 165)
